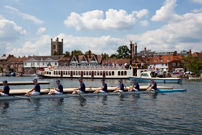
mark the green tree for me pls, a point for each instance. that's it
(193, 64)
(104, 55)
(123, 51)
(113, 56)
(77, 52)
(67, 54)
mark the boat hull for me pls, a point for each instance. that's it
(171, 90)
(70, 95)
(160, 80)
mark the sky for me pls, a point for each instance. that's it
(27, 26)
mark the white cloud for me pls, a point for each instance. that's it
(9, 31)
(197, 1)
(166, 13)
(197, 10)
(144, 23)
(26, 16)
(28, 48)
(142, 13)
(185, 34)
(94, 20)
(41, 31)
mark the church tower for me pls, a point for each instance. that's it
(56, 47)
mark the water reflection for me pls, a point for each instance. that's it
(82, 101)
(4, 106)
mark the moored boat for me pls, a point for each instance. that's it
(147, 77)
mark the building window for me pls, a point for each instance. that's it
(112, 73)
(162, 64)
(168, 59)
(38, 64)
(25, 64)
(174, 64)
(54, 47)
(178, 64)
(55, 63)
(166, 64)
(43, 63)
(155, 60)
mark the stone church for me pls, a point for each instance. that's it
(56, 47)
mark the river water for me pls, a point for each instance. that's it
(169, 113)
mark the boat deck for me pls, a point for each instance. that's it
(25, 82)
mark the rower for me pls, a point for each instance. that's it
(81, 89)
(103, 87)
(57, 91)
(135, 87)
(152, 86)
(35, 90)
(5, 90)
(120, 88)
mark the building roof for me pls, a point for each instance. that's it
(197, 54)
(16, 60)
(121, 61)
(43, 58)
(162, 59)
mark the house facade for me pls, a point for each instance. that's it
(14, 64)
(34, 63)
(86, 60)
(165, 62)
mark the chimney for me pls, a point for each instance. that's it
(175, 53)
(131, 59)
(4, 55)
(189, 51)
(57, 39)
(107, 57)
(135, 52)
(89, 54)
(132, 51)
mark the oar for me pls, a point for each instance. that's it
(30, 98)
(80, 95)
(157, 91)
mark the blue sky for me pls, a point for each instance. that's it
(27, 26)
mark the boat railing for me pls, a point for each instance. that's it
(89, 68)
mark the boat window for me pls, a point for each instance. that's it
(54, 73)
(73, 72)
(118, 73)
(86, 72)
(94, 72)
(106, 73)
(125, 73)
(112, 73)
(101, 73)
(122, 73)
(66, 73)
(89, 72)
(59, 72)
(109, 73)
(97, 72)
(69, 72)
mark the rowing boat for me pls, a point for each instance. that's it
(88, 94)
(71, 95)
(171, 90)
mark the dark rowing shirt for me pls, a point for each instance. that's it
(6, 89)
(60, 87)
(105, 87)
(83, 87)
(37, 88)
(137, 86)
(155, 85)
(121, 86)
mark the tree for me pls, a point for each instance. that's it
(55, 53)
(67, 54)
(193, 64)
(104, 55)
(123, 51)
(77, 52)
(113, 56)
